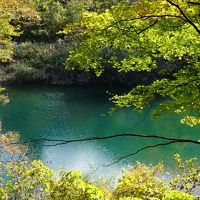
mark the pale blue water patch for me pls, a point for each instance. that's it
(71, 113)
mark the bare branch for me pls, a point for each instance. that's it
(58, 142)
(62, 142)
(139, 150)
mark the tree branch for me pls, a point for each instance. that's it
(194, 3)
(139, 150)
(148, 27)
(62, 142)
(145, 17)
(184, 15)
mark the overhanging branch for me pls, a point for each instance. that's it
(168, 141)
(63, 142)
(184, 15)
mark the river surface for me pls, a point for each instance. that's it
(77, 112)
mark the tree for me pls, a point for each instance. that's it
(144, 33)
(7, 30)
(19, 9)
(54, 15)
(11, 12)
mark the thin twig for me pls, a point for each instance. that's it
(139, 150)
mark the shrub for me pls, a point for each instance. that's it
(36, 61)
(140, 182)
(33, 180)
(177, 195)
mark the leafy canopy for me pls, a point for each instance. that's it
(143, 33)
(6, 31)
(11, 12)
(54, 14)
(3, 98)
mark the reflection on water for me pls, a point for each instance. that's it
(69, 113)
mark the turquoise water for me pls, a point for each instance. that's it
(71, 113)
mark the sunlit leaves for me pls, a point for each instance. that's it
(189, 177)
(190, 120)
(36, 181)
(140, 182)
(134, 37)
(71, 186)
(33, 180)
(14, 11)
(6, 31)
(10, 142)
(3, 98)
(20, 9)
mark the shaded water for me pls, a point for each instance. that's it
(71, 113)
